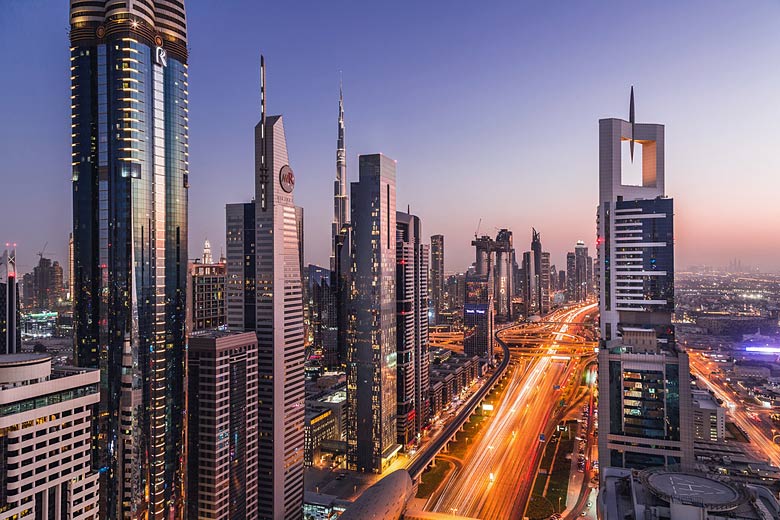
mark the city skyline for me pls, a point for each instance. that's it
(679, 80)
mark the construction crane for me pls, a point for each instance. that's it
(42, 251)
(476, 233)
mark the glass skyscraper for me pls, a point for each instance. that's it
(130, 178)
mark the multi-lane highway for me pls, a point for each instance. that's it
(498, 468)
(760, 438)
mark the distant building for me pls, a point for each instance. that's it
(223, 418)
(411, 328)
(478, 307)
(323, 314)
(206, 293)
(46, 419)
(571, 277)
(437, 276)
(372, 357)
(536, 278)
(504, 274)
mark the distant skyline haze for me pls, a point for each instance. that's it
(491, 111)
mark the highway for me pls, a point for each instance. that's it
(498, 469)
(432, 448)
(760, 439)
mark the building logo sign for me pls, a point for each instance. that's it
(161, 56)
(287, 178)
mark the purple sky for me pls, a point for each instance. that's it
(490, 108)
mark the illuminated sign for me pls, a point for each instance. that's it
(487, 407)
(287, 179)
(161, 56)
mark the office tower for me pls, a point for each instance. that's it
(504, 262)
(562, 280)
(571, 277)
(437, 276)
(279, 322)
(644, 391)
(206, 293)
(412, 328)
(478, 307)
(371, 354)
(222, 450)
(478, 315)
(47, 437)
(128, 63)
(455, 291)
(322, 314)
(553, 278)
(241, 266)
(10, 312)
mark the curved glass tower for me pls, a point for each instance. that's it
(129, 172)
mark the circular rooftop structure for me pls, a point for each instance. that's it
(695, 489)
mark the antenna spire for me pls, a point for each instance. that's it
(263, 149)
(632, 120)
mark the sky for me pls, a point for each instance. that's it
(491, 110)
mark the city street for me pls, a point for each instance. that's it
(760, 438)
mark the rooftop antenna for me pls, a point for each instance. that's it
(632, 120)
(263, 149)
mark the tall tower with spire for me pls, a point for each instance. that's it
(340, 216)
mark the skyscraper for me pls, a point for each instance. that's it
(412, 328)
(536, 272)
(504, 276)
(340, 235)
(241, 266)
(478, 307)
(128, 63)
(583, 270)
(437, 275)
(279, 321)
(222, 451)
(644, 390)
(571, 277)
(371, 356)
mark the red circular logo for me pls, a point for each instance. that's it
(287, 178)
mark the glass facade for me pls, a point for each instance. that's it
(130, 180)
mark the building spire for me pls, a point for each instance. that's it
(632, 120)
(340, 217)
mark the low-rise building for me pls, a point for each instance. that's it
(709, 417)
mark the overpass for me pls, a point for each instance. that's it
(426, 455)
